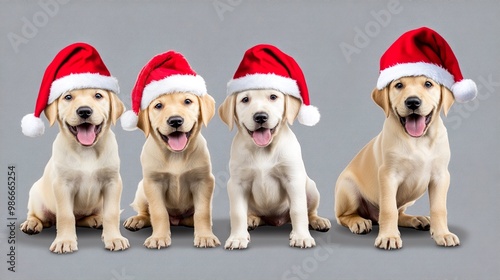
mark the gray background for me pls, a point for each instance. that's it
(213, 36)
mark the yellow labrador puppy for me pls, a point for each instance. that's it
(178, 184)
(268, 183)
(409, 157)
(81, 184)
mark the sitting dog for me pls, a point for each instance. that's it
(268, 183)
(419, 77)
(394, 169)
(178, 184)
(81, 183)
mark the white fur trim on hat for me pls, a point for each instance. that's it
(433, 71)
(264, 81)
(308, 115)
(32, 126)
(174, 83)
(81, 81)
(129, 120)
(464, 91)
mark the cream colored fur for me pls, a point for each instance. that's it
(395, 169)
(81, 185)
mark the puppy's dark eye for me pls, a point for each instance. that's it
(158, 106)
(273, 97)
(98, 96)
(244, 100)
(188, 101)
(428, 84)
(68, 97)
(398, 85)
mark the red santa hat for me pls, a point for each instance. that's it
(165, 73)
(77, 66)
(424, 52)
(267, 67)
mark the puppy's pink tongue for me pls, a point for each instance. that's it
(261, 137)
(415, 125)
(177, 141)
(85, 133)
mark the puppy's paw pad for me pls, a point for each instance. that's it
(447, 240)
(136, 223)
(32, 226)
(388, 242)
(320, 224)
(116, 244)
(235, 242)
(157, 242)
(421, 222)
(361, 226)
(63, 246)
(206, 241)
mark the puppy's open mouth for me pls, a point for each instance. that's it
(85, 133)
(176, 140)
(262, 136)
(415, 124)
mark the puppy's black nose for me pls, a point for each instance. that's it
(84, 112)
(175, 121)
(413, 103)
(260, 117)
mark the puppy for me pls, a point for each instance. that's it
(81, 183)
(178, 184)
(268, 182)
(394, 169)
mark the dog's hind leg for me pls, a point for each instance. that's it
(315, 222)
(417, 222)
(347, 205)
(92, 221)
(140, 205)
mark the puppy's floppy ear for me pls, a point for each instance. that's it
(447, 99)
(143, 121)
(226, 111)
(381, 97)
(292, 108)
(116, 107)
(51, 112)
(207, 108)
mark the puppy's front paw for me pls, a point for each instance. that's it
(320, 224)
(135, 223)
(206, 241)
(237, 242)
(157, 242)
(62, 245)
(388, 242)
(448, 239)
(117, 243)
(302, 240)
(32, 226)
